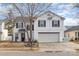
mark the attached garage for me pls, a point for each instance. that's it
(48, 36)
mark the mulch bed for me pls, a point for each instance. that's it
(15, 44)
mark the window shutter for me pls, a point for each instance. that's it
(32, 27)
(16, 25)
(38, 23)
(21, 25)
(52, 23)
(58, 23)
(44, 23)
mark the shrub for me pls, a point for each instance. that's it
(71, 40)
(34, 41)
(76, 38)
(34, 44)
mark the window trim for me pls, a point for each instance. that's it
(55, 24)
(39, 23)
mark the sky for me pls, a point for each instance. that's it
(65, 10)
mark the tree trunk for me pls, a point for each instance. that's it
(25, 27)
(31, 32)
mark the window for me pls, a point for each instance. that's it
(76, 34)
(16, 25)
(41, 23)
(21, 25)
(16, 37)
(28, 27)
(55, 23)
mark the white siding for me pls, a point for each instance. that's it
(49, 27)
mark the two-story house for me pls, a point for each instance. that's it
(48, 27)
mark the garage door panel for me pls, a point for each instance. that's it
(48, 36)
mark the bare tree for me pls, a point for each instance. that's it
(32, 10)
(10, 23)
(75, 5)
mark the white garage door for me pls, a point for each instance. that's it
(48, 37)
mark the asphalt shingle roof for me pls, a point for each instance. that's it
(73, 28)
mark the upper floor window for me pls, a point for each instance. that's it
(16, 25)
(55, 23)
(28, 27)
(41, 23)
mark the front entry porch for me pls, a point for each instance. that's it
(20, 37)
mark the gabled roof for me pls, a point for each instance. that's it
(53, 14)
(72, 28)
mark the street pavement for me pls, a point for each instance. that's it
(24, 53)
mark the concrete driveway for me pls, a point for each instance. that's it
(66, 46)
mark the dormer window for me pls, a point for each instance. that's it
(41, 23)
(49, 16)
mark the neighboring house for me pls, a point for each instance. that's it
(3, 31)
(19, 32)
(48, 27)
(67, 27)
(72, 33)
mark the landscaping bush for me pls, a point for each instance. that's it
(71, 40)
(76, 38)
(34, 41)
(34, 44)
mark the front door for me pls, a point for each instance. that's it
(22, 37)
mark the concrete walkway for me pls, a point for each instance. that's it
(71, 45)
